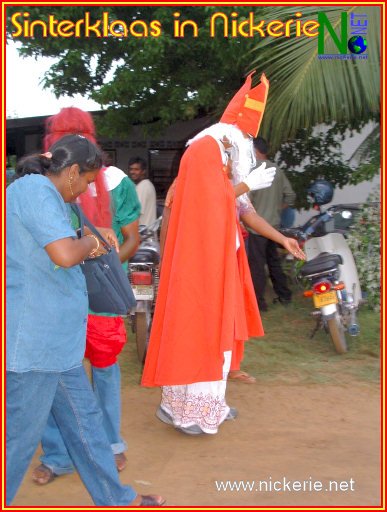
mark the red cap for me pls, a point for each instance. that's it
(247, 106)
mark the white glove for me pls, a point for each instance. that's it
(260, 177)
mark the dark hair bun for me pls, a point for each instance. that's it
(69, 150)
(33, 164)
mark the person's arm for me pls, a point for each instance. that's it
(131, 241)
(127, 210)
(108, 235)
(259, 225)
(46, 220)
(166, 215)
(164, 229)
(241, 189)
(68, 252)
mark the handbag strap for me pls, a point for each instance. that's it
(84, 221)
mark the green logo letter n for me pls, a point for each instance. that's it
(324, 22)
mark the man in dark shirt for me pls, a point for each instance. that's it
(269, 204)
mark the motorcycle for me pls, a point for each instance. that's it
(143, 274)
(330, 269)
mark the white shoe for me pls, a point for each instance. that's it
(164, 416)
(193, 430)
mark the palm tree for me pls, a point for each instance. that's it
(306, 91)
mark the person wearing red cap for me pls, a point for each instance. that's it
(106, 336)
(206, 306)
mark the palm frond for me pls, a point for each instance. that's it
(306, 90)
(367, 147)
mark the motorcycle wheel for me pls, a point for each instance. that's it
(337, 333)
(142, 334)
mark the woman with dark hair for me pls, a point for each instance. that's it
(46, 322)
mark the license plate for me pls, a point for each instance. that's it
(323, 299)
(143, 292)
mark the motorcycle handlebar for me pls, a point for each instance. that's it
(296, 233)
(320, 220)
(148, 231)
(304, 232)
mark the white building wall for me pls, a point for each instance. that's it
(349, 193)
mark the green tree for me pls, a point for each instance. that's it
(143, 80)
(319, 155)
(313, 154)
(306, 91)
(364, 241)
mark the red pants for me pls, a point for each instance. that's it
(105, 338)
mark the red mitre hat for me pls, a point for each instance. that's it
(247, 106)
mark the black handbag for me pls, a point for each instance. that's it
(107, 284)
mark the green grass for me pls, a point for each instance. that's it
(287, 354)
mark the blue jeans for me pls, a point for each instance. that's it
(30, 398)
(107, 389)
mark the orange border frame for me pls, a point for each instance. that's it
(382, 5)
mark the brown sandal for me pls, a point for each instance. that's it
(240, 376)
(43, 475)
(148, 500)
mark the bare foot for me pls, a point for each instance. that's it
(240, 376)
(121, 461)
(43, 475)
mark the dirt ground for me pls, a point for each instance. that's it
(325, 437)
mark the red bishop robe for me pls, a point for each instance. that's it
(206, 303)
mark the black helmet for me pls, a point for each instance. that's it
(321, 192)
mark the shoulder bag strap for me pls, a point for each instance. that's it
(84, 221)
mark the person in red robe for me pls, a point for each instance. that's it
(206, 307)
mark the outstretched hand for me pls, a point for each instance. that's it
(260, 177)
(292, 246)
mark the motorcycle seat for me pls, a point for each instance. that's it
(324, 262)
(145, 256)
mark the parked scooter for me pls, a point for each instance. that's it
(330, 269)
(143, 273)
